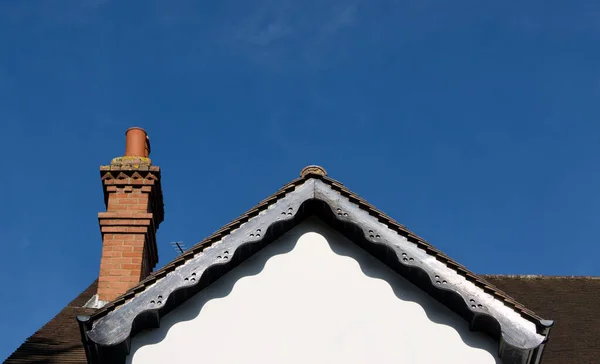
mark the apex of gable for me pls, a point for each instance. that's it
(520, 332)
(312, 169)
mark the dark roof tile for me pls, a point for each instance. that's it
(58, 341)
(572, 302)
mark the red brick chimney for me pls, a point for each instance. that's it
(134, 209)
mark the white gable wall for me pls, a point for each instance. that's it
(312, 297)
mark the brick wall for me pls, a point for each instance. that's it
(134, 209)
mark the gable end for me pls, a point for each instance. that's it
(520, 333)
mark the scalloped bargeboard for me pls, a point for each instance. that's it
(520, 333)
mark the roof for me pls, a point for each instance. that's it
(571, 301)
(519, 331)
(574, 304)
(58, 341)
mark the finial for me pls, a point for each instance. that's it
(313, 169)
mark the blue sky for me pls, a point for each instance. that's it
(476, 124)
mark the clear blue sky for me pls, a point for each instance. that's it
(474, 123)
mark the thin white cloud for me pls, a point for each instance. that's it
(342, 17)
(275, 20)
(279, 34)
(267, 35)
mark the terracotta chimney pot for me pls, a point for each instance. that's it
(137, 143)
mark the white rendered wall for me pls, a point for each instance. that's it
(312, 297)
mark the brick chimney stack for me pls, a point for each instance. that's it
(134, 209)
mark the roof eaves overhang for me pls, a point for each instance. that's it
(519, 332)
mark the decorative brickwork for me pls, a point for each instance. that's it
(134, 210)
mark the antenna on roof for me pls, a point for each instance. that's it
(178, 246)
